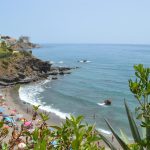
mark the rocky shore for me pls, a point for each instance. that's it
(38, 70)
(25, 68)
(19, 66)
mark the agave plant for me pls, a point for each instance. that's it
(141, 90)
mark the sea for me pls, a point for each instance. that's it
(104, 76)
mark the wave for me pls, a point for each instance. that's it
(60, 62)
(102, 104)
(31, 95)
(51, 62)
(104, 131)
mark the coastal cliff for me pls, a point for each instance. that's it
(24, 68)
(20, 66)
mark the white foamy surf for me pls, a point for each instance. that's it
(60, 62)
(51, 62)
(31, 94)
(104, 131)
(102, 104)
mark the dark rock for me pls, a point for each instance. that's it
(28, 80)
(54, 72)
(64, 68)
(64, 72)
(107, 102)
(21, 75)
(35, 68)
(54, 78)
(9, 79)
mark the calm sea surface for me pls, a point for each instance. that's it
(105, 76)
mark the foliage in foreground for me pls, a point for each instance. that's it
(5, 51)
(72, 135)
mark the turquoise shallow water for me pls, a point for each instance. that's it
(104, 76)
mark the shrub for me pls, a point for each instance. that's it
(72, 135)
(25, 53)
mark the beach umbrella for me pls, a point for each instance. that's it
(14, 110)
(28, 123)
(8, 119)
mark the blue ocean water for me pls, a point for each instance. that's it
(105, 76)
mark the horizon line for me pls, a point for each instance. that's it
(96, 43)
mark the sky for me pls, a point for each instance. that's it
(77, 21)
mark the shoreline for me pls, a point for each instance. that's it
(11, 94)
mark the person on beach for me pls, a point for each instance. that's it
(112, 138)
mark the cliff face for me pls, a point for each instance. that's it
(19, 66)
(22, 68)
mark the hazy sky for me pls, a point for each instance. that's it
(77, 21)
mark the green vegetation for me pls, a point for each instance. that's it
(4, 53)
(5, 63)
(26, 53)
(4, 50)
(73, 134)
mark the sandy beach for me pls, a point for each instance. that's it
(11, 96)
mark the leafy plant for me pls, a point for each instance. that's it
(77, 136)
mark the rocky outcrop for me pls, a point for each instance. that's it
(107, 102)
(22, 67)
(31, 69)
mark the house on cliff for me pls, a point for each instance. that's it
(7, 39)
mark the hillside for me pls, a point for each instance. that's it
(22, 67)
